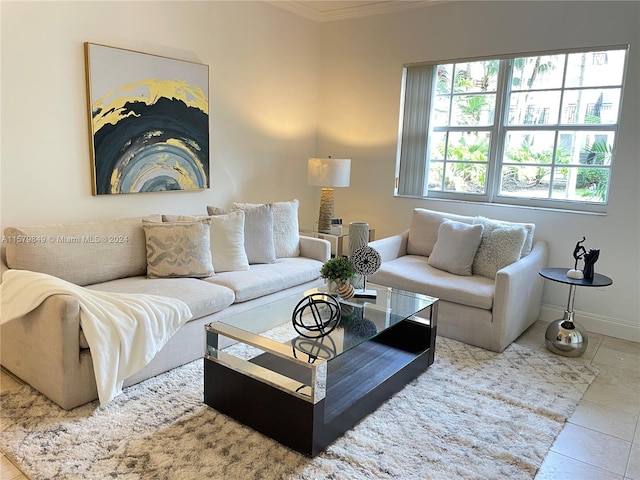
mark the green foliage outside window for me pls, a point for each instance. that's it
(594, 181)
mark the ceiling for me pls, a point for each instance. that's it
(327, 10)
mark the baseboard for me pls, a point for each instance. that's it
(613, 327)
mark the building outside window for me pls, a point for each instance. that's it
(537, 130)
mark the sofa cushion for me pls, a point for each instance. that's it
(423, 231)
(501, 245)
(529, 227)
(203, 298)
(69, 251)
(178, 249)
(263, 279)
(456, 247)
(286, 236)
(413, 273)
(258, 232)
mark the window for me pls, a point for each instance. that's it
(535, 130)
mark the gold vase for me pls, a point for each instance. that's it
(340, 287)
(346, 291)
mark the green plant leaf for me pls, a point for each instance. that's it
(338, 268)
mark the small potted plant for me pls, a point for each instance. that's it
(338, 271)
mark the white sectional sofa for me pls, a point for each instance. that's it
(489, 287)
(46, 348)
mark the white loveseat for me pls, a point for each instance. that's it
(488, 309)
(47, 349)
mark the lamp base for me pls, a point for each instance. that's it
(326, 210)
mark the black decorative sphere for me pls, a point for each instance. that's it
(320, 347)
(316, 315)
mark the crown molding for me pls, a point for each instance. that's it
(326, 11)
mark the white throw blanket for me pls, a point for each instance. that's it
(124, 331)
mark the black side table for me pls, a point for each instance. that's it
(565, 336)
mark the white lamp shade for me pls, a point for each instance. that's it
(329, 172)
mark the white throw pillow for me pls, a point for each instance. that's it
(258, 232)
(500, 246)
(456, 247)
(227, 241)
(286, 233)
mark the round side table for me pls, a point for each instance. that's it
(565, 336)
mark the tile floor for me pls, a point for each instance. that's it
(601, 441)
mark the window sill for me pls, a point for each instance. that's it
(506, 205)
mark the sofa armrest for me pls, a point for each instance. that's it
(518, 294)
(3, 268)
(315, 248)
(55, 365)
(392, 247)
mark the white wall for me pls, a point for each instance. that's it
(263, 103)
(358, 118)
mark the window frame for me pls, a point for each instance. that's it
(498, 131)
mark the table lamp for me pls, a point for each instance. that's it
(328, 173)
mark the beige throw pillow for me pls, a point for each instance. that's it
(455, 247)
(423, 231)
(258, 232)
(286, 233)
(178, 249)
(227, 241)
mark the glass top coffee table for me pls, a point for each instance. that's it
(306, 392)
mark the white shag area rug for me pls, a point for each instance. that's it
(474, 414)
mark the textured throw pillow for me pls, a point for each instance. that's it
(500, 246)
(529, 227)
(286, 233)
(178, 249)
(227, 242)
(455, 247)
(258, 232)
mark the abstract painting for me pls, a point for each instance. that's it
(148, 120)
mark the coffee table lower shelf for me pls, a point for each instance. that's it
(358, 381)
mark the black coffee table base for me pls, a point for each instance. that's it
(359, 381)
